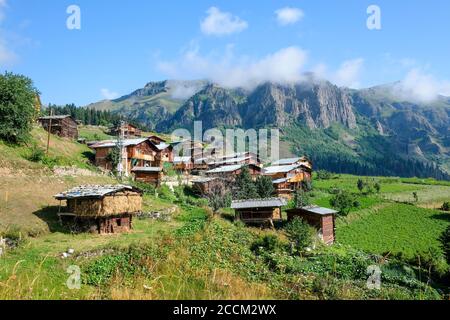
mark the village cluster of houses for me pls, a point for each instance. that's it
(144, 159)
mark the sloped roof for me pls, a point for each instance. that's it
(113, 143)
(161, 146)
(280, 169)
(278, 181)
(94, 191)
(259, 203)
(225, 169)
(320, 210)
(285, 162)
(57, 117)
(182, 160)
(146, 169)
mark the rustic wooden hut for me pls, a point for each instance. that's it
(128, 130)
(101, 209)
(323, 219)
(203, 185)
(234, 170)
(259, 211)
(151, 175)
(64, 126)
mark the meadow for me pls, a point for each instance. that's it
(196, 255)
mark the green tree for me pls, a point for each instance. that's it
(245, 188)
(377, 187)
(446, 206)
(301, 199)
(360, 184)
(17, 99)
(218, 196)
(445, 240)
(299, 233)
(264, 187)
(343, 201)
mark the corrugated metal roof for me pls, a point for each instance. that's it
(285, 162)
(225, 169)
(146, 169)
(320, 210)
(278, 181)
(93, 191)
(182, 160)
(280, 169)
(113, 143)
(204, 180)
(55, 117)
(232, 160)
(259, 203)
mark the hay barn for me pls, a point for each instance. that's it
(323, 219)
(101, 209)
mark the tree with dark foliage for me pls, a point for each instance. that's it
(244, 187)
(264, 187)
(17, 111)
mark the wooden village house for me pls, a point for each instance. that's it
(128, 130)
(140, 153)
(233, 171)
(63, 126)
(287, 178)
(259, 211)
(101, 209)
(322, 219)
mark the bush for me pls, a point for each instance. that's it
(324, 175)
(147, 188)
(344, 201)
(164, 192)
(267, 243)
(446, 206)
(299, 233)
(301, 199)
(445, 241)
(37, 154)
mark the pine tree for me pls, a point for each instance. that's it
(244, 186)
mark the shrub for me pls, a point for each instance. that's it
(164, 192)
(324, 175)
(446, 206)
(147, 188)
(445, 241)
(343, 201)
(37, 154)
(301, 199)
(267, 243)
(299, 233)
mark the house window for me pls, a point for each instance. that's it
(119, 222)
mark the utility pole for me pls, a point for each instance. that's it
(49, 129)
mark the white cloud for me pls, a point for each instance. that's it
(109, 95)
(349, 72)
(220, 23)
(347, 75)
(283, 66)
(421, 86)
(289, 15)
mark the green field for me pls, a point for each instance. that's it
(198, 256)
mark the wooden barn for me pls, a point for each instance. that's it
(234, 170)
(259, 211)
(63, 126)
(323, 219)
(151, 175)
(101, 209)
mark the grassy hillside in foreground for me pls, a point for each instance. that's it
(196, 256)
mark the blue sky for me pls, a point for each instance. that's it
(124, 44)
